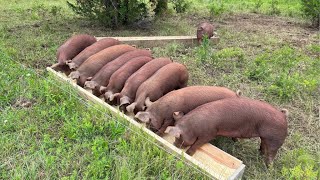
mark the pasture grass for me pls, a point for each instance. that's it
(47, 132)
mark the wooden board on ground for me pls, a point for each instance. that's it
(210, 159)
(151, 41)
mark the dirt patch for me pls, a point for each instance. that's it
(23, 102)
(285, 29)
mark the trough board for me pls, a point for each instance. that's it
(151, 41)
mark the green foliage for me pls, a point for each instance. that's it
(286, 71)
(257, 6)
(112, 13)
(300, 165)
(180, 6)
(228, 59)
(311, 10)
(217, 8)
(161, 6)
(274, 7)
(203, 52)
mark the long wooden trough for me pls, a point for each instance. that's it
(210, 159)
(148, 41)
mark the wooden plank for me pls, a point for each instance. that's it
(152, 41)
(210, 159)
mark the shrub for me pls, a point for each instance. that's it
(300, 164)
(257, 6)
(216, 8)
(113, 13)
(203, 52)
(286, 72)
(160, 6)
(180, 6)
(274, 8)
(311, 10)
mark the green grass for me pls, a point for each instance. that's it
(62, 136)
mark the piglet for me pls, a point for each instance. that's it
(204, 29)
(118, 79)
(128, 93)
(159, 115)
(69, 49)
(95, 62)
(101, 78)
(91, 50)
(232, 117)
(170, 77)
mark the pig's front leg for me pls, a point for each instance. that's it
(164, 126)
(197, 144)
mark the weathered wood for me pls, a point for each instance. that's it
(152, 41)
(210, 159)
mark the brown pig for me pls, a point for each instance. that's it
(118, 78)
(169, 77)
(128, 93)
(232, 117)
(69, 49)
(91, 50)
(204, 29)
(159, 115)
(101, 78)
(95, 62)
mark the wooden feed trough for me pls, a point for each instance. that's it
(210, 159)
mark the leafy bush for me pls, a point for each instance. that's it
(160, 6)
(311, 9)
(228, 59)
(203, 52)
(257, 6)
(299, 164)
(216, 8)
(286, 71)
(114, 12)
(274, 8)
(180, 6)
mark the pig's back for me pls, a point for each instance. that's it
(231, 114)
(166, 78)
(188, 98)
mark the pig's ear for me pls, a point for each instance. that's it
(143, 117)
(131, 107)
(177, 115)
(107, 95)
(173, 131)
(239, 93)
(148, 102)
(103, 89)
(89, 78)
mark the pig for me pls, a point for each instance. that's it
(91, 50)
(118, 78)
(69, 49)
(204, 29)
(169, 77)
(101, 78)
(95, 62)
(159, 115)
(128, 93)
(232, 117)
